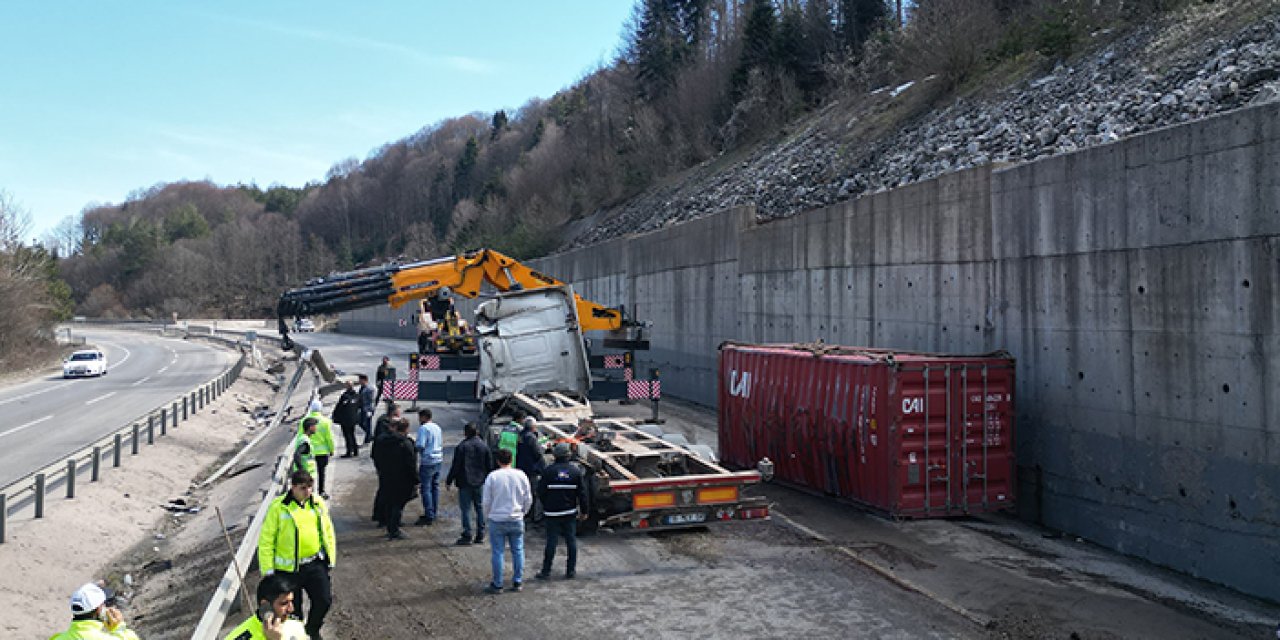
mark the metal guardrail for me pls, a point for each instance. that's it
(215, 613)
(111, 447)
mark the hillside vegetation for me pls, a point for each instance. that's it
(699, 90)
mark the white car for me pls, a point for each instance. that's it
(304, 325)
(89, 362)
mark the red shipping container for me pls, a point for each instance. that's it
(913, 434)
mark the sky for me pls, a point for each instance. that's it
(101, 98)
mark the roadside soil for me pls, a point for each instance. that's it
(111, 528)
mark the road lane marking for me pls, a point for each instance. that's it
(34, 393)
(121, 361)
(29, 424)
(163, 369)
(99, 398)
(140, 381)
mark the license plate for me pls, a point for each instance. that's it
(685, 518)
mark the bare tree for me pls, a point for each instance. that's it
(65, 239)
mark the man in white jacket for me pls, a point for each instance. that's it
(507, 497)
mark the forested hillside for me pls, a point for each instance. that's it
(696, 84)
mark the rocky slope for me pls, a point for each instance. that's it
(1155, 76)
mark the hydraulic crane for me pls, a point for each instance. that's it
(464, 275)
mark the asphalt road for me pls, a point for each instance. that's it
(353, 354)
(46, 419)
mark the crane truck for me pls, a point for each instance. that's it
(533, 361)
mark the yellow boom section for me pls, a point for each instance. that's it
(464, 275)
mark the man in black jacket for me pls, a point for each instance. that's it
(385, 372)
(565, 500)
(529, 458)
(397, 464)
(347, 414)
(472, 462)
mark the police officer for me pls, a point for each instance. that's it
(321, 443)
(563, 491)
(304, 457)
(94, 618)
(271, 621)
(298, 543)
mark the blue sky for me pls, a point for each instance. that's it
(101, 98)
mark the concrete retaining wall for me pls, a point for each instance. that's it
(1136, 284)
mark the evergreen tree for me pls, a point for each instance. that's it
(665, 36)
(463, 169)
(858, 19)
(758, 41)
(499, 123)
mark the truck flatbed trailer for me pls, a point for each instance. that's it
(642, 479)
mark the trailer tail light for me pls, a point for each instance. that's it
(717, 495)
(753, 514)
(653, 500)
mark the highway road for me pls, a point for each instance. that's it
(44, 420)
(354, 354)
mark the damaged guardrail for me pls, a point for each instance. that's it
(224, 597)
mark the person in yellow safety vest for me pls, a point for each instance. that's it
(94, 618)
(304, 458)
(297, 542)
(321, 443)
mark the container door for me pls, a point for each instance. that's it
(936, 415)
(982, 448)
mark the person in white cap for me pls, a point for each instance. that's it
(93, 619)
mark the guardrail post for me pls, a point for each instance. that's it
(151, 429)
(115, 454)
(135, 439)
(164, 421)
(175, 414)
(39, 495)
(193, 403)
(71, 478)
(184, 408)
(4, 515)
(97, 464)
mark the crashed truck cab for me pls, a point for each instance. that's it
(640, 478)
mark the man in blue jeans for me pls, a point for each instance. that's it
(430, 457)
(507, 497)
(472, 462)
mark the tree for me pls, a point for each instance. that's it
(499, 123)
(185, 222)
(758, 40)
(65, 239)
(463, 168)
(663, 37)
(857, 21)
